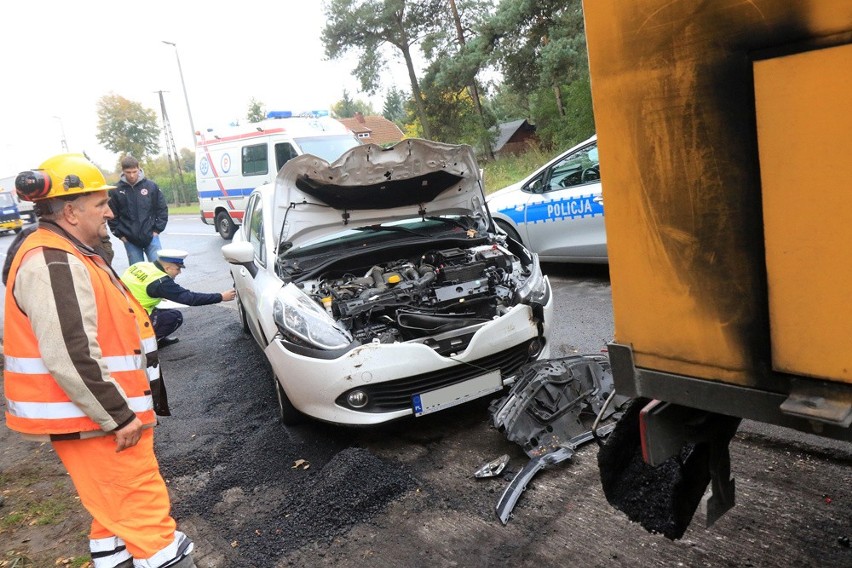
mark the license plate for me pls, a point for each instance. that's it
(439, 399)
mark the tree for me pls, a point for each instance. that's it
(565, 127)
(455, 67)
(347, 107)
(507, 105)
(394, 106)
(126, 127)
(256, 111)
(187, 159)
(540, 47)
(453, 114)
(536, 43)
(369, 26)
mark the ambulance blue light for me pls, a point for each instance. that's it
(279, 114)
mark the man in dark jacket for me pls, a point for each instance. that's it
(140, 212)
(153, 282)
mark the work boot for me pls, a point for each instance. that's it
(166, 341)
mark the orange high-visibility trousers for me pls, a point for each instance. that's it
(124, 492)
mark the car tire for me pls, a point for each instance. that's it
(287, 413)
(243, 320)
(225, 225)
(509, 230)
(17, 231)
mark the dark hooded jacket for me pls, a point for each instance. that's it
(140, 210)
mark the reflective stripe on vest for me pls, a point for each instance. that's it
(35, 365)
(60, 410)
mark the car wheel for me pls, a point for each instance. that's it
(243, 319)
(509, 230)
(225, 226)
(287, 413)
(17, 231)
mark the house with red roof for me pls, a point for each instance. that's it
(373, 129)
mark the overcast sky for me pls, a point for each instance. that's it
(59, 58)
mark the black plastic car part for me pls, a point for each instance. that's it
(550, 411)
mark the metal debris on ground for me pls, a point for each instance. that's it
(550, 411)
(493, 468)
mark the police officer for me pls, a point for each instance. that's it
(152, 282)
(76, 346)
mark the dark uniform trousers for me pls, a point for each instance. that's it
(165, 321)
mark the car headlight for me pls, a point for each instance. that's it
(298, 316)
(535, 288)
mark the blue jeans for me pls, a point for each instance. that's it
(136, 253)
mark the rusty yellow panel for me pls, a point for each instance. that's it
(673, 179)
(804, 123)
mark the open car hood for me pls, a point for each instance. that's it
(369, 185)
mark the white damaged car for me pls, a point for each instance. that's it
(378, 287)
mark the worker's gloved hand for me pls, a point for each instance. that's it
(229, 295)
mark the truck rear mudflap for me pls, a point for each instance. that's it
(660, 459)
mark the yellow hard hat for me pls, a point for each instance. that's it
(65, 174)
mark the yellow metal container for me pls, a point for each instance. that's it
(725, 133)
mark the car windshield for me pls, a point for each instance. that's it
(329, 148)
(450, 226)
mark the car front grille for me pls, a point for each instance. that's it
(396, 395)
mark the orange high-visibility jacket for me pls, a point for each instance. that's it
(36, 404)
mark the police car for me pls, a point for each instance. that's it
(557, 211)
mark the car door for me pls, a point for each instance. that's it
(564, 216)
(245, 279)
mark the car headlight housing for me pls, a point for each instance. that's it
(299, 317)
(535, 288)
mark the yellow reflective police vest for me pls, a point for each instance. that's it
(137, 277)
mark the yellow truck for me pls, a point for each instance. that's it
(725, 133)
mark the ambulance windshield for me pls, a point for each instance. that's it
(329, 148)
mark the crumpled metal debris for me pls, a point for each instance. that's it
(549, 412)
(493, 468)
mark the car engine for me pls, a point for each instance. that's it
(437, 291)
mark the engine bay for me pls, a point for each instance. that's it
(426, 293)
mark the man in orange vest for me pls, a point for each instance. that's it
(76, 351)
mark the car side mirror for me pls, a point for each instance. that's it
(536, 186)
(241, 253)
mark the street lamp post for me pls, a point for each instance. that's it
(62, 128)
(182, 84)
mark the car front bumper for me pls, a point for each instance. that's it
(316, 387)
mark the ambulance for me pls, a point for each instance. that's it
(230, 163)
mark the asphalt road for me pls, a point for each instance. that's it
(253, 493)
